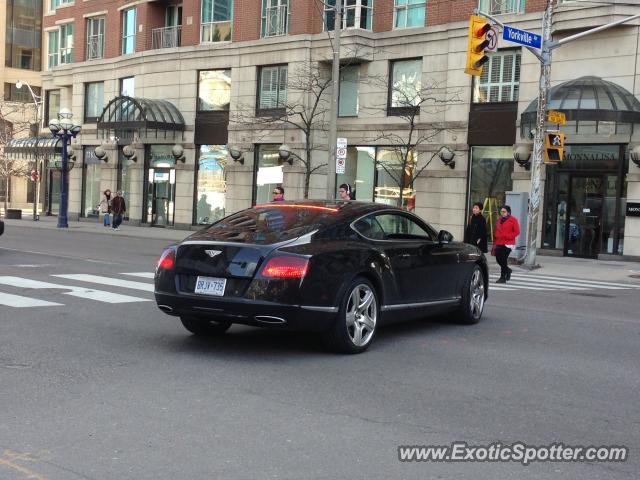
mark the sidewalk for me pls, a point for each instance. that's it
(603, 270)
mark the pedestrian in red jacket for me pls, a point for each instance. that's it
(507, 229)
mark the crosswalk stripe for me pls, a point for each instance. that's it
(575, 280)
(17, 301)
(140, 274)
(566, 283)
(80, 292)
(115, 282)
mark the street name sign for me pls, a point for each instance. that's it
(522, 37)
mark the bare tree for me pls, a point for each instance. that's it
(408, 100)
(304, 109)
(14, 123)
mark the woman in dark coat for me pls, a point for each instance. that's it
(476, 231)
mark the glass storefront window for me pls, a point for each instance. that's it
(92, 194)
(214, 90)
(406, 82)
(211, 186)
(391, 176)
(359, 173)
(489, 179)
(124, 180)
(268, 173)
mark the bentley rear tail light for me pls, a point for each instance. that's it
(167, 260)
(286, 267)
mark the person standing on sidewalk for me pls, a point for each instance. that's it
(278, 194)
(507, 230)
(118, 207)
(476, 231)
(105, 207)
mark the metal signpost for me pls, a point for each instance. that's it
(546, 45)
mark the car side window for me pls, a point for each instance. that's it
(369, 227)
(401, 227)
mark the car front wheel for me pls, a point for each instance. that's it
(473, 295)
(357, 320)
(203, 327)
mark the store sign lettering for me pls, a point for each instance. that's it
(591, 157)
(633, 209)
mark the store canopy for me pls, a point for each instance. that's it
(138, 116)
(589, 101)
(33, 147)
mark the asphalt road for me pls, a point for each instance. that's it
(95, 390)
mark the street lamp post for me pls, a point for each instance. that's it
(37, 101)
(64, 128)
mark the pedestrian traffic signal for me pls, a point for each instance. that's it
(476, 43)
(34, 175)
(553, 147)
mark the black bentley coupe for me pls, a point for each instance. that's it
(340, 268)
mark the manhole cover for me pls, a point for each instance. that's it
(599, 295)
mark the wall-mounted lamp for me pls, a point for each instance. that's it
(178, 153)
(101, 153)
(236, 155)
(129, 152)
(285, 154)
(634, 154)
(447, 155)
(522, 155)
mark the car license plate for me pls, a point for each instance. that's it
(210, 286)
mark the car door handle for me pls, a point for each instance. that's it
(405, 255)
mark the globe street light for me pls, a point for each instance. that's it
(64, 128)
(37, 101)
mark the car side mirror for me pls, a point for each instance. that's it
(444, 237)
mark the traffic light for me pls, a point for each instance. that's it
(476, 43)
(553, 147)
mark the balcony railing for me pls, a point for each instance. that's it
(95, 47)
(167, 37)
(276, 21)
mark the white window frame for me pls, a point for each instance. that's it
(513, 84)
(358, 8)
(502, 7)
(53, 57)
(209, 25)
(54, 4)
(124, 36)
(405, 6)
(92, 24)
(281, 100)
(278, 9)
(60, 53)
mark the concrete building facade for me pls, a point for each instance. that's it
(190, 101)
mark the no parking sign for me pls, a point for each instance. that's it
(341, 155)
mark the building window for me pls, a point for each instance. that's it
(272, 88)
(499, 7)
(53, 4)
(211, 185)
(357, 14)
(93, 101)
(52, 105)
(128, 86)
(60, 46)
(129, 31)
(22, 95)
(92, 194)
(24, 35)
(268, 173)
(500, 79)
(348, 104)
(275, 17)
(409, 13)
(95, 38)
(405, 85)
(490, 179)
(214, 90)
(216, 21)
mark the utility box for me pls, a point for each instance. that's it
(519, 203)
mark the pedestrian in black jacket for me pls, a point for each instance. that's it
(476, 232)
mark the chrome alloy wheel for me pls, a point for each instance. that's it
(361, 315)
(476, 287)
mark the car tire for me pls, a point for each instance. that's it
(357, 319)
(473, 296)
(203, 327)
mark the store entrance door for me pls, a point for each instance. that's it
(583, 230)
(162, 193)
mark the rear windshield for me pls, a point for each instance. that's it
(272, 223)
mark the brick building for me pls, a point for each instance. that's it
(169, 88)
